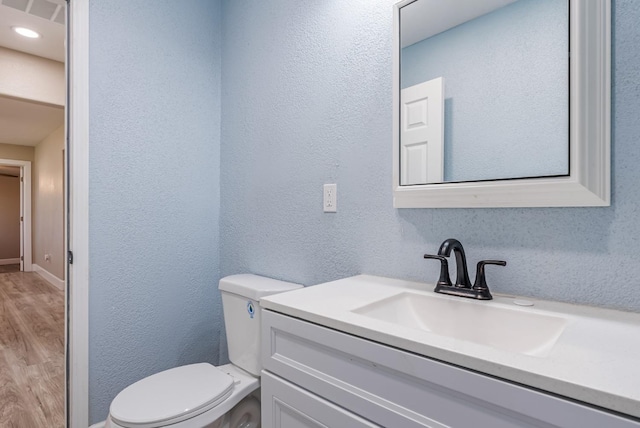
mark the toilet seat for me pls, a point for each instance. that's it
(171, 396)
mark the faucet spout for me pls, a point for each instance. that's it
(462, 277)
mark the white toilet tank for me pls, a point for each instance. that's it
(242, 315)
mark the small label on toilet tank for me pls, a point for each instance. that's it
(250, 308)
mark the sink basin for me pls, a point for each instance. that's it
(495, 325)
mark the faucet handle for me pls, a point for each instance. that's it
(444, 279)
(481, 281)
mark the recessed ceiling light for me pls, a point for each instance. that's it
(26, 32)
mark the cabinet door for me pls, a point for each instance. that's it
(396, 389)
(285, 405)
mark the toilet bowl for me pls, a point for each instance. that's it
(202, 395)
(193, 396)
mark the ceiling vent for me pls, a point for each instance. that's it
(51, 10)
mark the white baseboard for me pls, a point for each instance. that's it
(9, 261)
(51, 278)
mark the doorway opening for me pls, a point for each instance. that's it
(15, 214)
(33, 127)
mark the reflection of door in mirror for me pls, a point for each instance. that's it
(506, 100)
(422, 133)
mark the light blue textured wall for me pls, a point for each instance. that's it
(506, 91)
(307, 101)
(154, 190)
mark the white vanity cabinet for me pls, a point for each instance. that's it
(293, 407)
(318, 377)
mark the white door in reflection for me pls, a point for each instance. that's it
(422, 133)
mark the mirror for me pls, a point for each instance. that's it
(490, 110)
(517, 83)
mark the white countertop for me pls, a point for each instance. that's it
(596, 359)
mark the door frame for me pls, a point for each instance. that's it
(77, 149)
(25, 210)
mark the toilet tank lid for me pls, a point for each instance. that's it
(254, 286)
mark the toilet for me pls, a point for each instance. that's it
(202, 395)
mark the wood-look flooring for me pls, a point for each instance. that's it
(31, 352)
(9, 268)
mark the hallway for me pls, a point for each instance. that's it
(31, 352)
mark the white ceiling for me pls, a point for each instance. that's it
(22, 122)
(25, 123)
(51, 44)
(425, 18)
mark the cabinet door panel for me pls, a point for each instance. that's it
(285, 405)
(395, 388)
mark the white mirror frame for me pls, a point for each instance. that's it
(589, 182)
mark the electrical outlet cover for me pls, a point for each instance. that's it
(330, 198)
